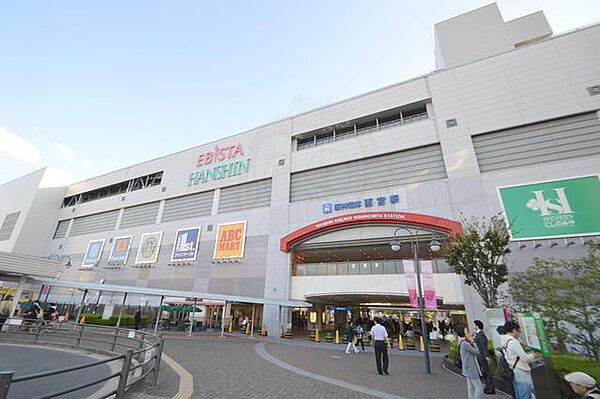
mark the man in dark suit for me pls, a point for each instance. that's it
(481, 341)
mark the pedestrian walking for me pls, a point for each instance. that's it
(381, 341)
(481, 341)
(137, 318)
(360, 334)
(583, 385)
(350, 336)
(470, 367)
(517, 358)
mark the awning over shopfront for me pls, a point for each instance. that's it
(13, 266)
(90, 286)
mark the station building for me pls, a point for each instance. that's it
(305, 208)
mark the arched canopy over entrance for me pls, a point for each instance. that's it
(428, 222)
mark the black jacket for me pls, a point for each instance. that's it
(481, 341)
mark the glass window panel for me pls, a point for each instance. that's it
(321, 269)
(365, 268)
(331, 269)
(342, 269)
(300, 270)
(389, 267)
(377, 268)
(353, 268)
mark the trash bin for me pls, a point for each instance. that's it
(544, 379)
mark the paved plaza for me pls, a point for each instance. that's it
(259, 368)
(26, 360)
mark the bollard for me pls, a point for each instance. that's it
(337, 336)
(230, 329)
(81, 326)
(422, 345)
(248, 329)
(317, 336)
(400, 343)
(5, 379)
(124, 374)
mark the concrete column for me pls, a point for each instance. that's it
(270, 318)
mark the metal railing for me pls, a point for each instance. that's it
(316, 141)
(137, 355)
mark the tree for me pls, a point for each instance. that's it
(583, 300)
(479, 255)
(565, 293)
(540, 289)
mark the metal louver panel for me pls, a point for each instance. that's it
(140, 215)
(399, 168)
(554, 140)
(105, 221)
(8, 225)
(244, 196)
(61, 229)
(189, 206)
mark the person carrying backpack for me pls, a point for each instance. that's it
(518, 361)
(584, 385)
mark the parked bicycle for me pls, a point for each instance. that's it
(35, 326)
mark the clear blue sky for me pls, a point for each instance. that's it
(89, 87)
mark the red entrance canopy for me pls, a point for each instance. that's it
(405, 218)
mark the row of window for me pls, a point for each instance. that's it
(256, 194)
(138, 183)
(361, 268)
(358, 127)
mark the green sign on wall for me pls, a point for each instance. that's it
(558, 208)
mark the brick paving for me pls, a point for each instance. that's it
(407, 372)
(232, 368)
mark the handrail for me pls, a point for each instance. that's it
(64, 370)
(118, 338)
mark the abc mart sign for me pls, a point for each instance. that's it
(552, 209)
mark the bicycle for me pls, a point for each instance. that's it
(35, 326)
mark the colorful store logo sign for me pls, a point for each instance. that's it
(231, 239)
(149, 248)
(93, 253)
(120, 250)
(186, 244)
(219, 163)
(557, 208)
(330, 207)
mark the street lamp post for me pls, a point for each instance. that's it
(435, 246)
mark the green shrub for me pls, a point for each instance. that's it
(565, 363)
(126, 320)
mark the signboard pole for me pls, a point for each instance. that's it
(421, 299)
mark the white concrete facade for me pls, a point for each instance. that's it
(520, 86)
